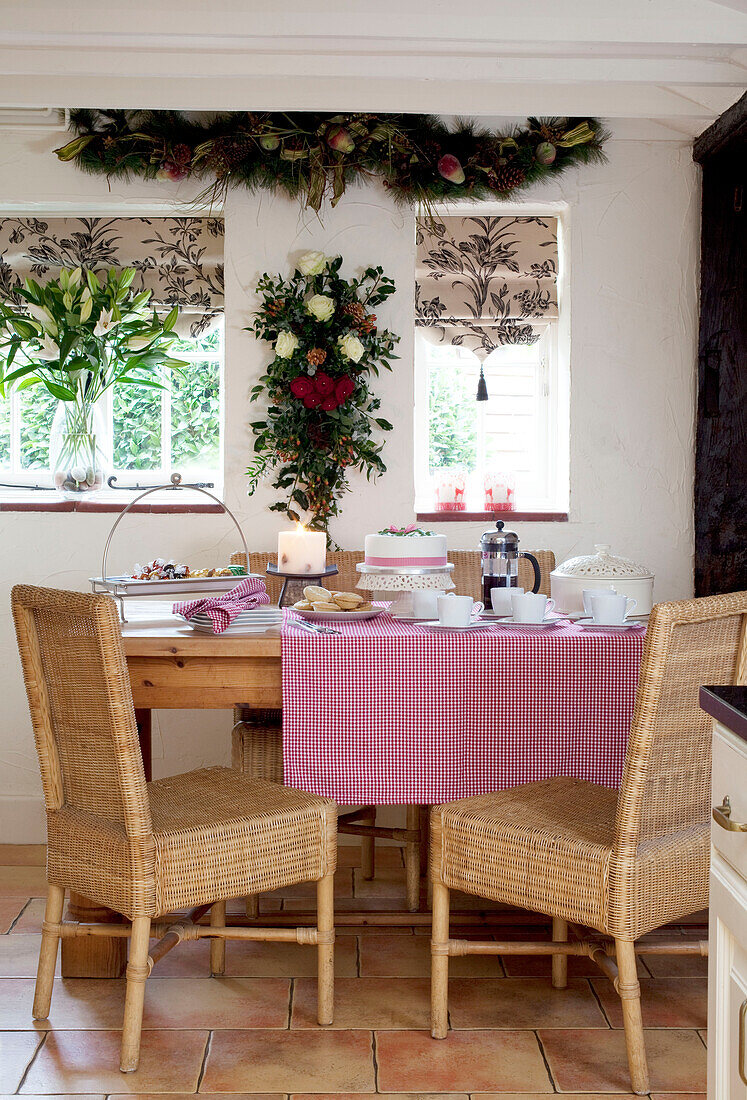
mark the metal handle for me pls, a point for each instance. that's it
(176, 483)
(535, 566)
(743, 1041)
(722, 817)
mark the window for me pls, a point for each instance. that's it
(509, 439)
(487, 297)
(150, 432)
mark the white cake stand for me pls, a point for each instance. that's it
(398, 584)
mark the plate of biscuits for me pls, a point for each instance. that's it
(322, 606)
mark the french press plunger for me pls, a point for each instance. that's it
(500, 561)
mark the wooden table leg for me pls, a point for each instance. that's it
(99, 956)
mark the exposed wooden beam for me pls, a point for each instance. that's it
(732, 123)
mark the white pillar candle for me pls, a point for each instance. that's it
(302, 551)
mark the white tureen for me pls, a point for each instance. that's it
(601, 570)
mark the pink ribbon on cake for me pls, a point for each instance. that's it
(427, 562)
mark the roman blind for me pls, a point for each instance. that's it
(482, 282)
(180, 260)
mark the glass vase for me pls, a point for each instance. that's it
(77, 448)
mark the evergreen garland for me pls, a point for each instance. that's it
(418, 158)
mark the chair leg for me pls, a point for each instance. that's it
(425, 830)
(325, 925)
(368, 849)
(440, 962)
(412, 861)
(630, 995)
(252, 906)
(559, 962)
(48, 952)
(217, 943)
(137, 972)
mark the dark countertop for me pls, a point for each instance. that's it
(728, 705)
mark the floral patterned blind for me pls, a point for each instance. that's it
(483, 282)
(180, 260)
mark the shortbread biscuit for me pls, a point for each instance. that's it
(322, 606)
(303, 605)
(316, 592)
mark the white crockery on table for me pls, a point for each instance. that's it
(339, 616)
(601, 590)
(500, 599)
(457, 611)
(611, 609)
(530, 607)
(425, 603)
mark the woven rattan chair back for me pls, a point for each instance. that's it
(467, 574)
(665, 794)
(81, 706)
(346, 560)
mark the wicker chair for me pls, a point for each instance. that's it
(622, 863)
(257, 746)
(147, 849)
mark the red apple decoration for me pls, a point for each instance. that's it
(339, 139)
(451, 169)
(545, 152)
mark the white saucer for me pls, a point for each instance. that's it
(338, 616)
(587, 623)
(434, 624)
(507, 620)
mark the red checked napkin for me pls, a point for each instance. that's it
(222, 610)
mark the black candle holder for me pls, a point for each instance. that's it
(294, 583)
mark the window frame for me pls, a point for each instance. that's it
(554, 495)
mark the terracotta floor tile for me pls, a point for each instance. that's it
(676, 966)
(70, 1096)
(31, 917)
(703, 1033)
(566, 1096)
(522, 1002)
(540, 966)
(88, 1061)
(9, 910)
(369, 1003)
(345, 905)
(343, 888)
(469, 1061)
(170, 1003)
(392, 956)
(389, 1096)
(387, 858)
(16, 1051)
(19, 956)
(191, 1096)
(675, 1096)
(588, 1060)
(255, 960)
(665, 1002)
(21, 882)
(387, 883)
(290, 1061)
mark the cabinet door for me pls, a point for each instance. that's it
(727, 984)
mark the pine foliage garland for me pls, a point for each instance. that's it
(310, 156)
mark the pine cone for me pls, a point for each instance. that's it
(229, 151)
(504, 177)
(355, 311)
(182, 154)
(550, 133)
(316, 356)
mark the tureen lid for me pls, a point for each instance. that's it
(601, 564)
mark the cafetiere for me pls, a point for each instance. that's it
(500, 561)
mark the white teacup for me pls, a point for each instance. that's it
(457, 611)
(587, 594)
(425, 603)
(611, 609)
(500, 599)
(530, 607)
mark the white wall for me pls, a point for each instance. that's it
(633, 269)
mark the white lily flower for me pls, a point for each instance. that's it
(48, 350)
(44, 317)
(104, 323)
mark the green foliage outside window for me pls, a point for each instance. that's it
(453, 420)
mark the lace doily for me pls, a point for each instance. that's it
(405, 582)
(601, 564)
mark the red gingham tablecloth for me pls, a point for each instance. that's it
(388, 712)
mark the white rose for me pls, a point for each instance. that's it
(312, 263)
(286, 344)
(351, 347)
(321, 307)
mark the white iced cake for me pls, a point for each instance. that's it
(406, 547)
